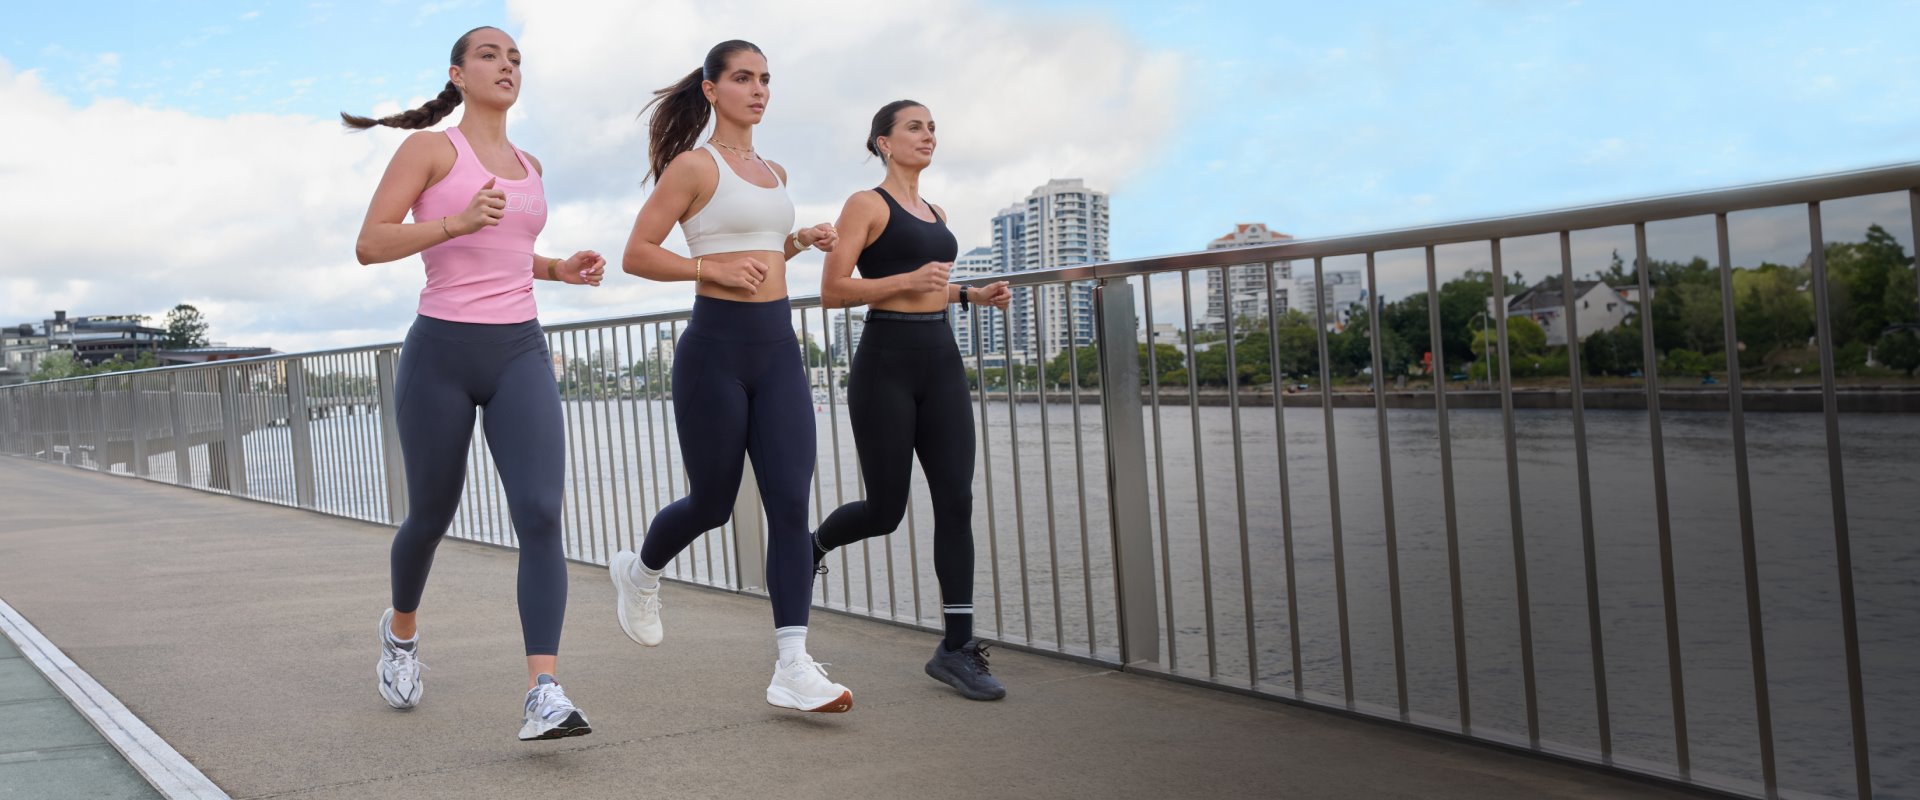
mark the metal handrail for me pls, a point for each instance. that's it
(1873, 180)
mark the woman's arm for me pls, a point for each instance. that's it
(384, 236)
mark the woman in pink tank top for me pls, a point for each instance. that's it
(477, 205)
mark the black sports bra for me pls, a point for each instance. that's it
(907, 243)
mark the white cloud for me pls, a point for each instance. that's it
(252, 217)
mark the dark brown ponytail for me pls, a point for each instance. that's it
(431, 111)
(680, 111)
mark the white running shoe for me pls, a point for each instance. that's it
(550, 715)
(803, 685)
(399, 670)
(639, 608)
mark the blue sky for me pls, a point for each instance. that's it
(1315, 118)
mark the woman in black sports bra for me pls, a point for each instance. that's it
(907, 391)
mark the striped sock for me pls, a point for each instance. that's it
(792, 641)
(959, 619)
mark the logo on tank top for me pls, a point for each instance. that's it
(533, 204)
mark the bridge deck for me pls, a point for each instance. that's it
(242, 634)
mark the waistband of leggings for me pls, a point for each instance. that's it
(736, 321)
(474, 332)
(878, 315)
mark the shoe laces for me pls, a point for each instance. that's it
(403, 659)
(550, 700)
(977, 656)
(806, 664)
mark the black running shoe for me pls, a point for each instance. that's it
(966, 671)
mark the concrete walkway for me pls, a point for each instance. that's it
(244, 635)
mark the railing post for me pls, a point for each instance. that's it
(749, 539)
(176, 404)
(1115, 327)
(138, 423)
(396, 467)
(299, 432)
(232, 443)
(99, 427)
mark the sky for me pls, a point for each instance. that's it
(166, 153)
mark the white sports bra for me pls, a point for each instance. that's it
(740, 217)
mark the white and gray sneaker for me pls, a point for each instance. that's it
(639, 608)
(802, 685)
(549, 714)
(400, 666)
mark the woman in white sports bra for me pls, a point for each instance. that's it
(738, 387)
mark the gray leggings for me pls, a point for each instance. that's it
(447, 370)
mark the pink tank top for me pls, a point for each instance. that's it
(485, 276)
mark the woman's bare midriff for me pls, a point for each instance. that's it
(916, 303)
(773, 288)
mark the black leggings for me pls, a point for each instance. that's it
(739, 391)
(907, 392)
(448, 369)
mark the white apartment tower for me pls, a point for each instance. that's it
(1243, 291)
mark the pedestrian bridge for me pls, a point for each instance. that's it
(242, 634)
(1472, 595)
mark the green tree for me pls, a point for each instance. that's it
(186, 327)
(1899, 350)
(1613, 352)
(1871, 285)
(59, 364)
(1771, 311)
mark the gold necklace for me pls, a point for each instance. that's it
(743, 152)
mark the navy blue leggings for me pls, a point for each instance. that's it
(447, 370)
(739, 391)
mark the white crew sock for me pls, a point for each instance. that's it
(792, 641)
(648, 579)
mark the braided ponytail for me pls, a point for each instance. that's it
(431, 111)
(423, 117)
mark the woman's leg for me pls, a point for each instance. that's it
(526, 433)
(710, 413)
(944, 438)
(436, 424)
(880, 403)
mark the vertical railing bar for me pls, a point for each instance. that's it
(1589, 549)
(1447, 496)
(1842, 535)
(602, 441)
(1037, 349)
(299, 454)
(627, 463)
(1046, 469)
(1524, 597)
(833, 426)
(576, 516)
(1240, 485)
(669, 428)
(986, 458)
(1749, 552)
(1333, 479)
(1080, 482)
(655, 386)
(1286, 485)
(859, 474)
(1650, 367)
(913, 550)
(1199, 477)
(1047, 472)
(1374, 305)
(819, 499)
(1160, 476)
